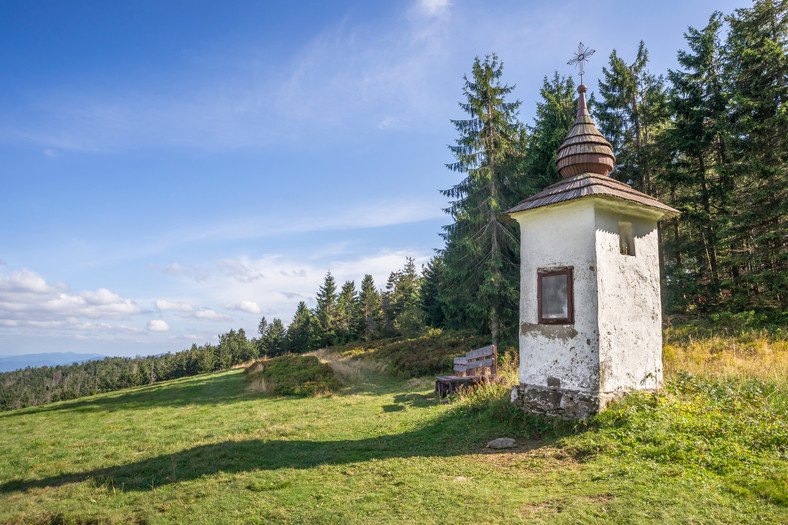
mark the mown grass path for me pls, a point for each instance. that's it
(206, 450)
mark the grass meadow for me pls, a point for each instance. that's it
(382, 449)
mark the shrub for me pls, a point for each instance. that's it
(429, 354)
(301, 375)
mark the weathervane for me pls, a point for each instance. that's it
(581, 56)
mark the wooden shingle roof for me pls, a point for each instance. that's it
(586, 184)
(585, 149)
(584, 159)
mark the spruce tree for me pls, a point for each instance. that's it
(368, 318)
(698, 141)
(757, 269)
(346, 308)
(481, 251)
(275, 338)
(299, 331)
(632, 109)
(555, 114)
(325, 315)
(430, 294)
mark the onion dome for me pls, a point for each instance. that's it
(585, 149)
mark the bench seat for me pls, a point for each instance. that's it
(473, 361)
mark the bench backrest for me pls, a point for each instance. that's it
(485, 357)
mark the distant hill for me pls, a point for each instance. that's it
(16, 362)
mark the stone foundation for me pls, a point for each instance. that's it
(559, 402)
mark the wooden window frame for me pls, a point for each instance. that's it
(570, 301)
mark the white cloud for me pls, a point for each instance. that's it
(85, 328)
(26, 296)
(285, 282)
(51, 153)
(102, 297)
(157, 325)
(165, 305)
(249, 307)
(210, 315)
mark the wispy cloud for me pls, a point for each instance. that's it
(209, 315)
(347, 74)
(175, 306)
(433, 7)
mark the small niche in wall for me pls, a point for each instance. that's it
(626, 239)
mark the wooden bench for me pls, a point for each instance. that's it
(469, 367)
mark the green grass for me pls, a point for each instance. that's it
(207, 449)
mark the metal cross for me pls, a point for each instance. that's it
(581, 56)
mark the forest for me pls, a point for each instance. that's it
(709, 139)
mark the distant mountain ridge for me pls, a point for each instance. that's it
(17, 362)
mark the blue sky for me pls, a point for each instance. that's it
(171, 170)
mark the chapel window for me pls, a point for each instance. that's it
(555, 296)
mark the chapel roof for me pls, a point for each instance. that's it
(586, 184)
(585, 149)
(584, 160)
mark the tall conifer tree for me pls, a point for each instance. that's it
(555, 114)
(481, 247)
(298, 333)
(632, 109)
(368, 317)
(758, 80)
(698, 141)
(325, 316)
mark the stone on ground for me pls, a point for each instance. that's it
(502, 443)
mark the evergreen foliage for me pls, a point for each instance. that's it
(632, 110)
(368, 313)
(325, 315)
(555, 114)
(299, 332)
(481, 255)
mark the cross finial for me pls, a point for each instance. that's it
(581, 56)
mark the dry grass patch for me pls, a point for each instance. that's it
(349, 368)
(755, 354)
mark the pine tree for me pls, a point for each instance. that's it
(699, 143)
(555, 114)
(481, 247)
(632, 111)
(387, 305)
(299, 331)
(430, 294)
(275, 338)
(369, 317)
(406, 304)
(757, 269)
(325, 315)
(346, 308)
(262, 327)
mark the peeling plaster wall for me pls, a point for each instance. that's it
(630, 311)
(557, 236)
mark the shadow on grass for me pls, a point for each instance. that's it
(205, 389)
(446, 437)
